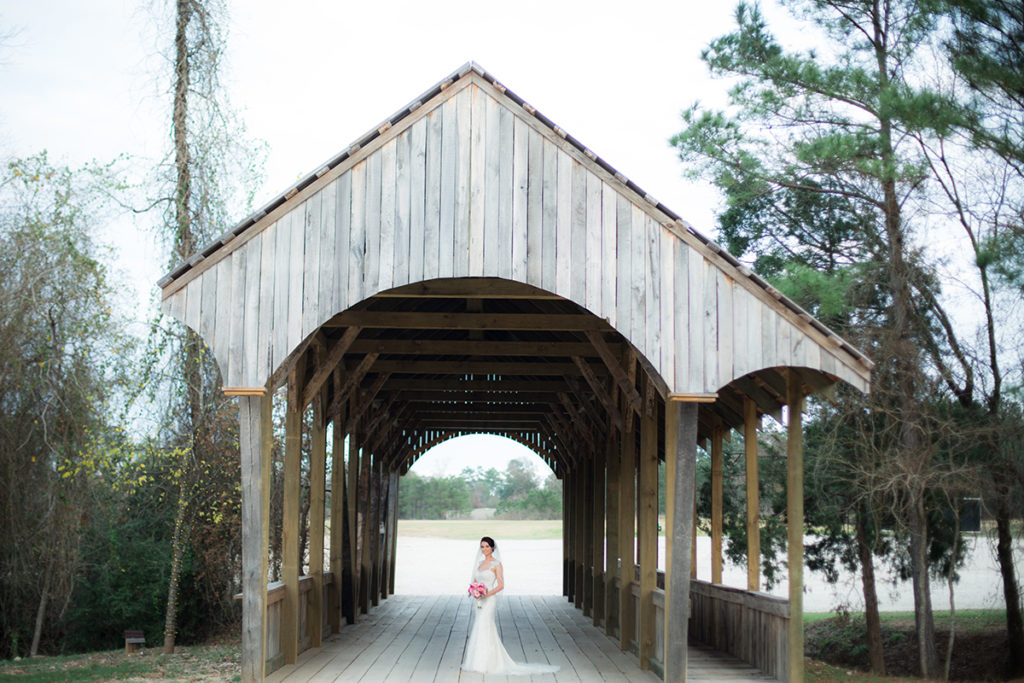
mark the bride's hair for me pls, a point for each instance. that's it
(489, 541)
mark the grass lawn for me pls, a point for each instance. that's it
(979, 650)
(473, 529)
(966, 619)
(216, 662)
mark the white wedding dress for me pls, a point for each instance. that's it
(484, 651)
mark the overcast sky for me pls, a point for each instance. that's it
(85, 80)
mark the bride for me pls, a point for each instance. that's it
(484, 651)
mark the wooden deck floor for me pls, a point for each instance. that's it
(421, 638)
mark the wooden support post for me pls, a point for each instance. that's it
(670, 491)
(753, 499)
(795, 523)
(612, 537)
(394, 531)
(350, 579)
(376, 504)
(290, 532)
(568, 568)
(589, 570)
(580, 535)
(317, 485)
(681, 448)
(383, 518)
(693, 547)
(338, 540)
(365, 535)
(597, 537)
(362, 523)
(647, 492)
(627, 536)
(255, 436)
(716, 503)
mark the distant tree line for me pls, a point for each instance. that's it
(516, 493)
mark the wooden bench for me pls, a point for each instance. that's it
(132, 639)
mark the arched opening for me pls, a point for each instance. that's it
(436, 553)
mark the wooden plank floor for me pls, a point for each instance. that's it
(421, 638)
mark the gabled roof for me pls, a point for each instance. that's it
(472, 68)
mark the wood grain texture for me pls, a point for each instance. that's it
(475, 185)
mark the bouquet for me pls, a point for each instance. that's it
(476, 591)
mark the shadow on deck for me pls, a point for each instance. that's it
(422, 637)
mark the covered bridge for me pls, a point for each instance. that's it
(469, 267)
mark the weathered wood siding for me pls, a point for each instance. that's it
(472, 184)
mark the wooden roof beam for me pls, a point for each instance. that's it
(474, 288)
(365, 401)
(570, 322)
(458, 387)
(328, 363)
(764, 401)
(575, 416)
(617, 371)
(470, 397)
(351, 382)
(599, 391)
(504, 409)
(484, 425)
(463, 367)
(471, 347)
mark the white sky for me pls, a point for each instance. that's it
(84, 81)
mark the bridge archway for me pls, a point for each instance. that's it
(468, 264)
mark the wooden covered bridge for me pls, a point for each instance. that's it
(469, 267)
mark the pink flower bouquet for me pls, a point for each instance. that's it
(476, 591)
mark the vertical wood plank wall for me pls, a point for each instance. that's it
(445, 193)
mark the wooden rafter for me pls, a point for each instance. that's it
(587, 406)
(469, 347)
(475, 397)
(365, 401)
(326, 364)
(630, 416)
(472, 367)
(599, 392)
(626, 383)
(571, 322)
(459, 386)
(352, 381)
(475, 409)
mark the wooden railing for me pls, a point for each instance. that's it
(751, 626)
(275, 601)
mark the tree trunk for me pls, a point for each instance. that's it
(876, 653)
(950, 582)
(177, 553)
(903, 352)
(183, 247)
(41, 612)
(1011, 594)
(928, 657)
